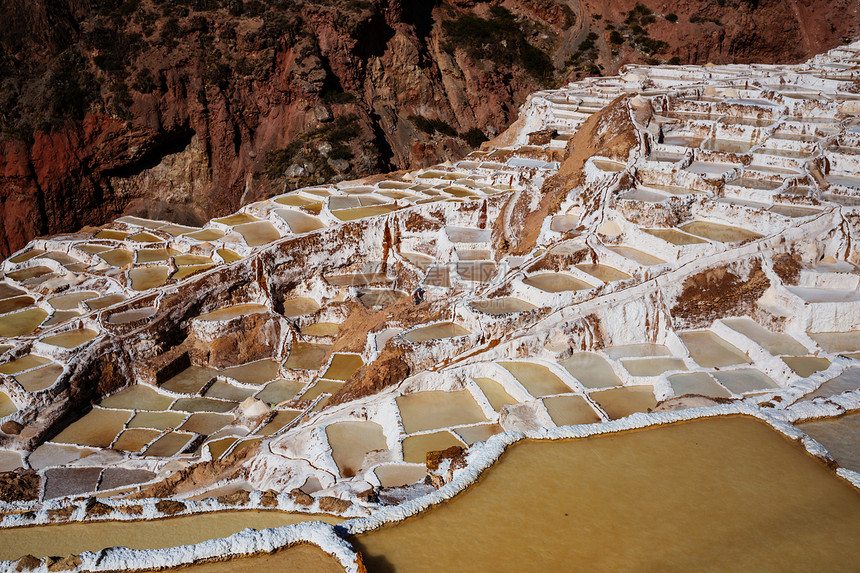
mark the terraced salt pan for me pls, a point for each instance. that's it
(321, 387)
(306, 356)
(495, 393)
(637, 256)
(675, 237)
(258, 234)
(556, 282)
(351, 442)
(841, 437)
(416, 448)
(709, 350)
(430, 410)
(190, 380)
(72, 338)
(805, 366)
(26, 362)
(21, 323)
(40, 378)
(744, 380)
(591, 370)
(537, 379)
(232, 312)
(652, 366)
(129, 316)
(435, 332)
(256, 373)
(15, 303)
(300, 306)
(741, 463)
(570, 410)
(397, 475)
(501, 306)
(98, 428)
(281, 419)
(75, 538)
(697, 383)
(624, 401)
(343, 366)
(202, 405)
(321, 329)
(848, 381)
(775, 343)
(138, 397)
(7, 406)
(837, 341)
(718, 232)
(71, 301)
(169, 445)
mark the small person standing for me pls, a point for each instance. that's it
(418, 296)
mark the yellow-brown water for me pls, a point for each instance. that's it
(503, 305)
(22, 323)
(299, 306)
(74, 538)
(556, 282)
(774, 342)
(591, 370)
(709, 350)
(169, 444)
(697, 383)
(720, 233)
(40, 378)
(24, 363)
(435, 409)
(537, 379)
(71, 338)
(71, 301)
(351, 441)
(841, 437)
(145, 278)
(415, 448)
(303, 557)
(306, 356)
(342, 366)
(495, 393)
(570, 410)
(603, 272)
(674, 236)
(258, 234)
(435, 332)
(725, 494)
(806, 365)
(97, 428)
(621, 402)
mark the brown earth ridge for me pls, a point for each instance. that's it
(185, 110)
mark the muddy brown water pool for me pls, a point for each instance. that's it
(718, 494)
(74, 538)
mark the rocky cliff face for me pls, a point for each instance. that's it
(184, 110)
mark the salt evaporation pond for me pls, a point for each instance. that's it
(556, 282)
(435, 332)
(21, 323)
(75, 538)
(709, 350)
(537, 379)
(667, 498)
(351, 441)
(840, 436)
(436, 409)
(591, 370)
(301, 557)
